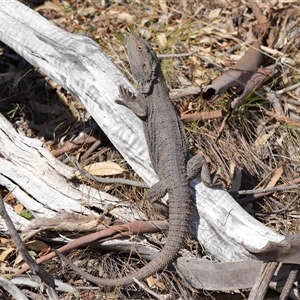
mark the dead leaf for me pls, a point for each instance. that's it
(86, 11)
(4, 240)
(197, 72)
(161, 39)
(123, 16)
(105, 168)
(214, 13)
(200, 81)
(144, 21)
(163, 5)
(18, 208)
(205, 40)
(19, 259)
(262, 139)
(48, 5)
(155, 282)
(6, 254)
(275, 177)
(195, 60)
(281, 140)
(37, 246)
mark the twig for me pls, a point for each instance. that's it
(264, 25)
(34, 282)
(289, 282)
(277, 211)
(176, 55)
(73, 145)
(52, 294)
(293, 101)
(282, 118)
(95, 145)
(262, 283)
(266, 190)
(262, 20)
(192, 90)
(259, 195)
(201, 116)
(36, 269)
(287, 89)
(275, 102)
(224, 122)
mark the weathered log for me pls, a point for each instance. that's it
(78, 64)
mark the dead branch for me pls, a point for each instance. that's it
(281, 118)
(201, 116)
(114, 232)
(261, 285)
(189, 91)
(237, 76)
(248, 199)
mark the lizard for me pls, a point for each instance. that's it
(169, 154)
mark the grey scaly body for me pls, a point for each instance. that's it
(168, 151)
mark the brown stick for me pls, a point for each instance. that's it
(261, 19)
(282, 118)
(264, 24)
(202, 116)
(256, 196)
(136, 227)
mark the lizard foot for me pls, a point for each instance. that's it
(132, 102)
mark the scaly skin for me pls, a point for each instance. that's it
(168, 151)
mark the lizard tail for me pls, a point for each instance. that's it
(179, 213)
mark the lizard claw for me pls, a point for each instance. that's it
(132, 102)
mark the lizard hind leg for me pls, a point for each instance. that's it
(135, 104)
(155, 194)
(197, 164)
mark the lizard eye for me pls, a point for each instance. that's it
(139, 48)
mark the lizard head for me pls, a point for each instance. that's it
(143, 62)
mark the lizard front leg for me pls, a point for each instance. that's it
(136, 104)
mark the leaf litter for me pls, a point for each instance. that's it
(233, 44)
